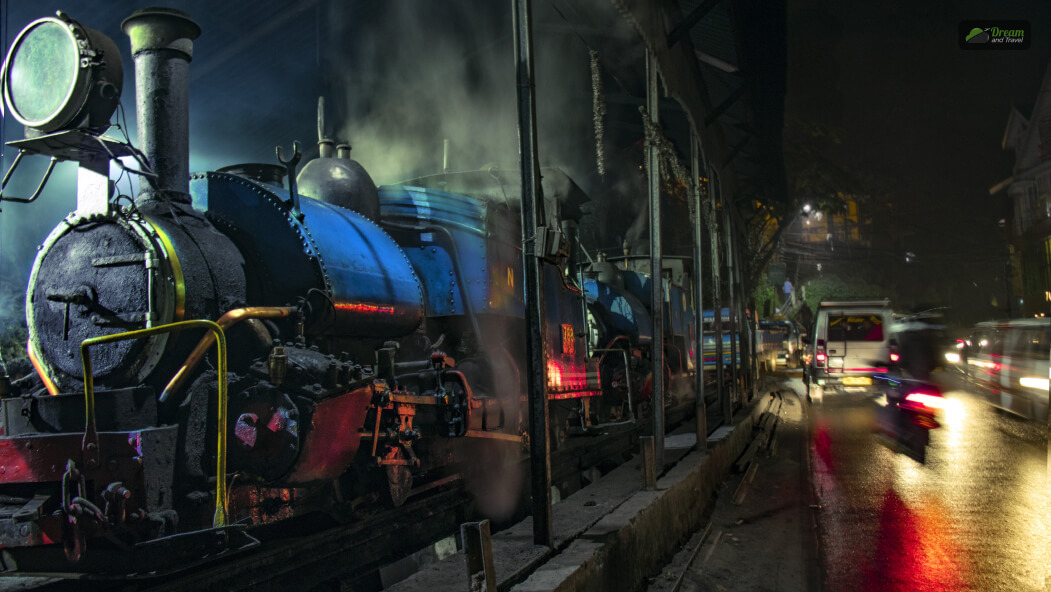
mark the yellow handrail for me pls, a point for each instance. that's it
(91, 438)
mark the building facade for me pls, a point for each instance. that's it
(1027, 225)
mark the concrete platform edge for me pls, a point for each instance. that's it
(635, 540)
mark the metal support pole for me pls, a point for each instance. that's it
(753, 320)
(744, 335)
(730, 281)
(657, 282)
(649, 462)
(717, 293)
(478, 549)
(698, 296)
(532, 289)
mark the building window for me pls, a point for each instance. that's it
(1045, 138)
(1023, 212)
(1036, 268)
(1043, 184)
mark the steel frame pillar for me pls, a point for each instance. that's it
(656, 267)
(532, 288)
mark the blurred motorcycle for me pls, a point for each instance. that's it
(911, 411)
(912, 402)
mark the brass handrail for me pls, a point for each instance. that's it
(90, 446)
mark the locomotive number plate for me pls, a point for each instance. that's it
(568, 345)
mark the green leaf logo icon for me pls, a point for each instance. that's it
(975, 32)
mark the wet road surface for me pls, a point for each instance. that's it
(974, 517)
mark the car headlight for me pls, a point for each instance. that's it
(1034, 382)
(60, 75)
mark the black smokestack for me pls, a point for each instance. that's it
(162, 47)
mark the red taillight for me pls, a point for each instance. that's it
(819, 352)
(926, 399)
(894, 357)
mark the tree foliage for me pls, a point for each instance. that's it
(833, 287)
(814, 176)
(766, 297)
(13, 333)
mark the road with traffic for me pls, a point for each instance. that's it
(859, 517)
(973, 517)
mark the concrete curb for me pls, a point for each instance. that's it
(635, 540)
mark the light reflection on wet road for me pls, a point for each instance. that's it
(975, 517)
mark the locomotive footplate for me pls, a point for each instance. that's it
(106, 560)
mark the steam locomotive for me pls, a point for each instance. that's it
(244, 346)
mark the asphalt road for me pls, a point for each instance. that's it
(835, 509)
(973, 517)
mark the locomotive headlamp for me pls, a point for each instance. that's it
(61, 75)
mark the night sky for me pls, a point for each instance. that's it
(925, 119)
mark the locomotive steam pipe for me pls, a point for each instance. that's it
(226, 321)
(162, 47)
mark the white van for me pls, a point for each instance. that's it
(850, 342)
(1009, 361)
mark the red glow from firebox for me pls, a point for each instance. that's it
(364, 307)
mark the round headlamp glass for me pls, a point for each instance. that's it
(59, 75)
(42, 72)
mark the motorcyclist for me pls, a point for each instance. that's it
(916, 345)
(916, 342)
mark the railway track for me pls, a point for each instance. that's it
(298, 562)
